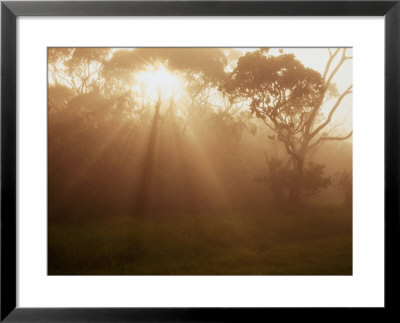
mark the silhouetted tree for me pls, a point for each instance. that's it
(288, 98)
(343, 181)
(83, 68)
(56, 58)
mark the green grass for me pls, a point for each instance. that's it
(313, 242)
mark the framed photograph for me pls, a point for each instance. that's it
(198, 160)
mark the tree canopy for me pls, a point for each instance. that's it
(228, 100)
(288, 98)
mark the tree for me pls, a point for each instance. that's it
(83, 68)
(344, 183)
(200, 69)
(56, 58)
(288, 98)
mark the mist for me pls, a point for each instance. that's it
(199, 161)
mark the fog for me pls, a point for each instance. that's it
(171, 134)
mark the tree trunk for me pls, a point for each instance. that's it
(296, 186)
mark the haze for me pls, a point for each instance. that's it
(200, 161)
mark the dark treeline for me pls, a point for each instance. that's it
(217, 131)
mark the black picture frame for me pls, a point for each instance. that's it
(9, 13)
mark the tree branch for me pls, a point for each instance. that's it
(330, 138)
(342, 60)
(331, 113)
(328, 64)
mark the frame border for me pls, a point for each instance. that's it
(9, 13)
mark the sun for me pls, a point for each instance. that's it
(158, 81)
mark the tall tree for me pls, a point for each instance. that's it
(288, 97)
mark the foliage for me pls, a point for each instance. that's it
(279, 88)
(108, 147)
(343, 182)
(280, 178)
(288, 98)
(151, 183)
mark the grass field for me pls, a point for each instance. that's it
(316, 241)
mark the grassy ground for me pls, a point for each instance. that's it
(313, 242)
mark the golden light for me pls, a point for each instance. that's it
(157, 81)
